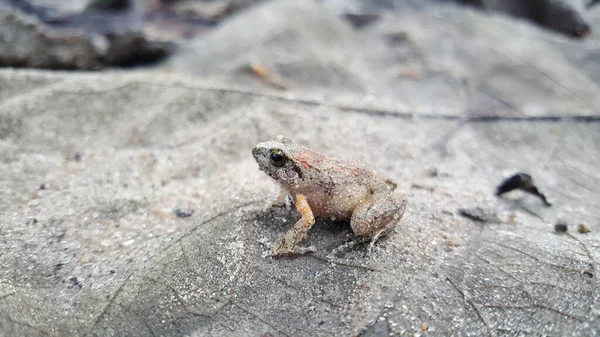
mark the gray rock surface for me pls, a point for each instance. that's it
(98, 249)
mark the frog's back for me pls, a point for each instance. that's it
(320, 171)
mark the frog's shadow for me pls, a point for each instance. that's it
(325, 235)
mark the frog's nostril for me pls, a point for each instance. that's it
(255, 151)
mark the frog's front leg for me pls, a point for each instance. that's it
(376, 217)
(290, 240)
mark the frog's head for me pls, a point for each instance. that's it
(275, 158)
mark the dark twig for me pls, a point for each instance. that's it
(521, 181)
(110, 302)
(587, 252)
(579, 271)
(259, 318)
(140, 317)
(340, 263)
(481, 317)
(585, 118)
(178, 297)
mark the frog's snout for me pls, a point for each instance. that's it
(259, 154)
(255, 151)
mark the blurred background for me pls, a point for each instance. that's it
(432, 55)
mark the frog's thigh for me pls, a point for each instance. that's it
(378, 216)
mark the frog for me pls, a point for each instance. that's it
(328, 188)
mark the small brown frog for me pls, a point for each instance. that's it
(328, 188)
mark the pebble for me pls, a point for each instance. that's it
(183, 212)
(561, 227)
(583, 228)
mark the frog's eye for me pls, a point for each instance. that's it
(277, 158)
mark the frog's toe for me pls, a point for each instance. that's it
(305, 250)
(374, 240)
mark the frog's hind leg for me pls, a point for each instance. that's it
(375, 218)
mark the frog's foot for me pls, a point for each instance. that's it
(374, 240)
(288, 244)
(282, 199)
(374, 219)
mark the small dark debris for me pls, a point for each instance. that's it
(521, 181)
(479, 214)
(433, 172)
(43, 186)
(75, 282)
(361, 20)
(397, 37)
(113, 271)
(472, 2)
(561, 226)
(183, 212)
(583, 228)
(58, 266)
(61, 235)
(77, 156)
(561, 16)
(108, 5)
(423, 187)
(31, 221)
